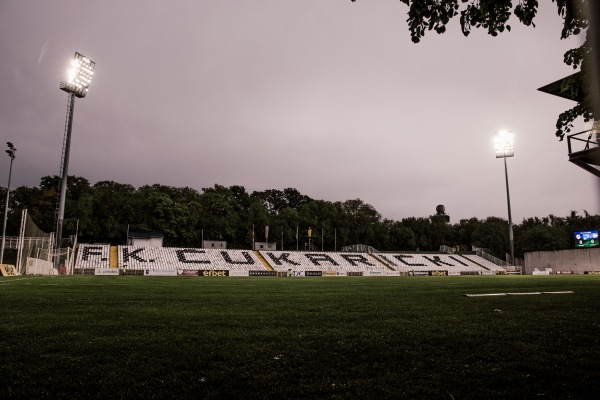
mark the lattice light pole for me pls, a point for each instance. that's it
(77, 85)
(504, 144)
(11, 153)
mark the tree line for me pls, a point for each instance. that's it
(103, 213)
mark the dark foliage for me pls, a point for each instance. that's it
(105, 211)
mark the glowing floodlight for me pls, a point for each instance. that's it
(504, 143)
(79, 76)
(78, 81)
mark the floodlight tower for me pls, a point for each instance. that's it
(504, 144)
(77, 84)
(11, 153)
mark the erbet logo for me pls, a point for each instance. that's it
(214, 273)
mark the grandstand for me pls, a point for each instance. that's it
(92, 256)
(419, 264)
(485, 263)
(130, 259)
(175, 258)
(302, 261)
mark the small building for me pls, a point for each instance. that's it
(214, 244)
(265, 246)
(145, 239)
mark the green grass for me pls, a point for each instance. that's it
(398, 338)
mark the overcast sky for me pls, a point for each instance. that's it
(329, 97)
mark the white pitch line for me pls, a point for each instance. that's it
(13, 280)
(523, 293)
(563, 292)
(517, 293)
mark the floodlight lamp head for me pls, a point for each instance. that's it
(79, 76)
(11, 153)
(504, 144)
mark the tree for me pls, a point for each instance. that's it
(464, 232)
(421, 228)
(400, 237)
(36, 202)
(363, 219)
(41, 203)
(276, 200)
(219, 215)
(492, 233)
(113, 210)
(494, 15)
(543, 238)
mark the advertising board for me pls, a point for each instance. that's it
(262, 273)
(106, 271)
(160, 272)
(213, 272)
(313, 273)
(186, 272)
(238, 272)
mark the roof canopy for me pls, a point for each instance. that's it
(555, 88)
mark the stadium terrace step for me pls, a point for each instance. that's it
(262, 260)
(114, 257)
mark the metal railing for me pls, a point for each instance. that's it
(447, 249)
(12, 242)
(491, 258)
(586, 139)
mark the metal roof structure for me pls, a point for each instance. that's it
(555, 88)
(584, 147)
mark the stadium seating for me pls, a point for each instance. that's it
(168, 258)
(321, 261)
(454, 264)
(485, 263)
(91, 256)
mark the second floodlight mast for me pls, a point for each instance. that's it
(11, 153)
(504, 144)
(78, 82)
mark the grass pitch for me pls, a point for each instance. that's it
(305, 338)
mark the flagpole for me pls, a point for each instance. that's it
(267, 235)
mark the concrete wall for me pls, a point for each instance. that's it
(576, 260)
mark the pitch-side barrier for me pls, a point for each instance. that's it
(265, 273)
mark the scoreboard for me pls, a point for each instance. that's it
(586, 238)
